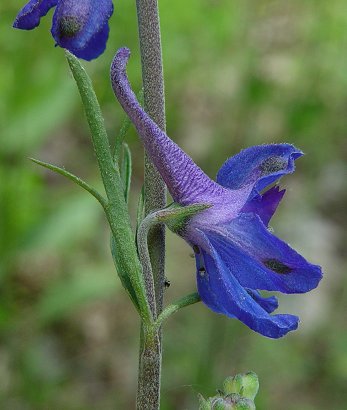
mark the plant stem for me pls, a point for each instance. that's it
(154, 104)
(174, 307)
(155, 195)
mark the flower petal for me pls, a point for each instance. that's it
(260, 260)
(269, 304)
(95, 47)
(265, 205)
(30, 15)
(259, 166)
(82, 26)
(186, 182)
(222, 293)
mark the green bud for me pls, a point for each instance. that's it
(244, 404)
(230, 402)
(246, 384)
(203, 403)
(232, 384)
(220, 403)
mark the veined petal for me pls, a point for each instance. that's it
(222, 293)
(186, 182)
(265, 205)
(81, 26)
(259, 166)
(260, 260)
(30, 15)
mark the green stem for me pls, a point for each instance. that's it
(142, 247)
(174, 307)
(154, 104)
(116, 208)
(155, 192)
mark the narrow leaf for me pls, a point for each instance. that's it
(140, 208)
(126, 170)
(74, 179)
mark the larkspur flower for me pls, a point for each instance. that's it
(236, 254)
(80, 26)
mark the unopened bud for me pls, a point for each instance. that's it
(230, 402)
(246, 385)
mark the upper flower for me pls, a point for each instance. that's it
(81, 26)
(236, 254)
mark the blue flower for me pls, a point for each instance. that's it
(80, 26)
(236, 254)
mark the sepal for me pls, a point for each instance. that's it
(176, 216)
(238, 393)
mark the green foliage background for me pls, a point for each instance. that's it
(237, 73)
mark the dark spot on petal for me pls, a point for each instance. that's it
(273, 164)
(196, 249)
(69, 26)
(277, 266)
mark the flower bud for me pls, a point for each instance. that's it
(231, 402)
(246, 384)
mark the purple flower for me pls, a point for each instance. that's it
(81, 26)
(236, 254)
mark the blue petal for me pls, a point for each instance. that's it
(259, 260)
(259, 166)
(29, 17)
(82, 26)
(222, 293)
(269, 304)
(265, 205)
(95, 47)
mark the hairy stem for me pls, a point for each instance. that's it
(155, 194)
(154, 104)
(176, 306)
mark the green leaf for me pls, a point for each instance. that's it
(126, 171)
(124, 278)
(74, 179)
(116, 210)
(140, 214)
(120, 138)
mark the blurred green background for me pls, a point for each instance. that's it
(237, 74)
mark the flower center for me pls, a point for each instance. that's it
(69, 26)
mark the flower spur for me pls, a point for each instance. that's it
(236, 254)
(80, 26)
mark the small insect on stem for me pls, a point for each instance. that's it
(167, 283)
